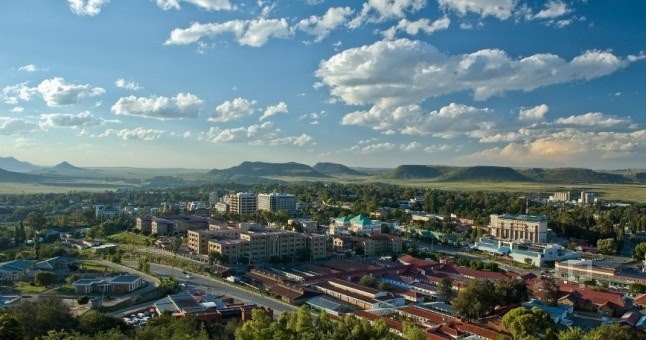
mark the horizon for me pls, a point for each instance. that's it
(209, 84)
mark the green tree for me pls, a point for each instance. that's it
(571, 333)
(83, 300)
(368, 280)
(257, 328)
(445, 289)
(412, 332)
(639, 251)
(35, 221)
(10, 328)
(45, 279)
(614, 331)
(475, 299)
(37, 247)
(144, 264)
(607, 246)
(94, 322)
(532, 323)
(637, 288)
(38, 317)
(511, 291)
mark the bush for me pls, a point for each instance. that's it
(83, 300)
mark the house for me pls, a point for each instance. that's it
(126, 283)
(208, 308)
(557, 313)
(631, 318)
(15, 270)
(60, 265)
(358, 295)
(120, 285)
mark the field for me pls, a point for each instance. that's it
(26, 288)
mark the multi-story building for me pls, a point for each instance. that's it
(198, 240)
(563, 196)
(607, 271)
(317, 246)
(587, 197)
(161, 226)
(519, 227)
(275, 201)
(177, 224)
(373, 245)
(359, 225)
(144, 224)
(243, 203)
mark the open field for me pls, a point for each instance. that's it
(26, 288)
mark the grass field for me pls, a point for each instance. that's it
(26, 288)
(129, 238)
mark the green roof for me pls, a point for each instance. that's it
(360, 219)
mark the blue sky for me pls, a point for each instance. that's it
(375, 83)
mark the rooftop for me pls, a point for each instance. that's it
(125, 279)
(528, 218)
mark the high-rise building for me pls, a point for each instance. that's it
(587, 197)
(563, 196)
(243, 203)
(519, 227)
(275, 201)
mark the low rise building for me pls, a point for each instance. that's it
(120, 285)
(208, 308)
(538, 254)
(614, 274)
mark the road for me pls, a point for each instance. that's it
(203, 283)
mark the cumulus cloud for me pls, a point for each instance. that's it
(12, 94)
(80, 120)
(320, 27)
(128, 85)
(447, 122)
(134, 134)
(553, 9)
(16, 126)
(533, 114)
(232, 110)
(17, 109)
(86, 7)
(381, 10)
(210, 5)
(501, 9)
(412, 146)
(274, 110)
(56, 92)
(302, 140)
(593, 119)
(253, 134)
(253, 33)
(370, 148)
(399, 72)
(414, 27)
(183, 105)
(28, 68)
(438, 148)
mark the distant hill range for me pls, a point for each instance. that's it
(12, 164)
(335, 169)
(17, 177)
(65, 166)
(262, 169)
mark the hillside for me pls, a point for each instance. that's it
(416, 172)
(12, 164)
(16, 177)
(335, 169)
(487, 173)
(67, 166)
(572, 175)
(263, 169)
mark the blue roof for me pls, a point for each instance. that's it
(85, 282)
(125, 279)
(323, 303)
(554, 311)
(16, 265)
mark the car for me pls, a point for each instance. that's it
(182, 284)
(126, 320)
(140, 315)
(142, 324)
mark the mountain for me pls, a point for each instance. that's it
(573, 175)
(12, 164)
(335, 169)
(67, 166)
(487, 173)
(263, 169)
(16, 177)
(416, 172)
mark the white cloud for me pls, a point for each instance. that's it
(370, 148)
(253, 33)
(184, 105)
(553, 9)
(501, 9)
(232, 110)
(12, 94)
(211, 5)
(412, 146)
(80, 120)
(274, 110)
(381, 10)
(134, 134)
(28, 68)
(18, 109)
(593, 119)
(401, 72)
(438, 148)
(320, 27)
(16, 126)
(23, 143)
(86, 7)
(414, 27)
(447, 122)
(128, 85)
(533, 114)
(56, 92)
(254, 134)
(302, 140)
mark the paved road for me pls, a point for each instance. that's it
(206, 284)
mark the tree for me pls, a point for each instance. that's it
(571, 333)
(607, 246)
(550, 297)
(445, 289)
(637, 288)
(35, 221)
(213, 257)
(83, 300)
(38, 317)
(45, 279)
(10, 328)
(639, 251)
(511, 291)
(257, 328)
(37, 247)
(144, 265)
(614, 331)
(532, 323)
(94, 322)
(475, 300)
(176, 244)
(412, 332)
(368, 281)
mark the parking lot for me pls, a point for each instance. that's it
(139, 319)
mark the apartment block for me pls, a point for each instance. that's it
(563, 196)
(275, 201)
(243, 203)
(144, 224)
(531, 228)
(198, 240)
(373, 245)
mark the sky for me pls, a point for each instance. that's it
(376, 83)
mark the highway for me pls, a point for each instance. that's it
(203, 283)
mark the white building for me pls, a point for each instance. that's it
(537, 255)
(243, 203)
(275, 201)
(532, 228)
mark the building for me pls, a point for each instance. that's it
(612, 273)
(145, 224)
(563, 196)
(521, 228)
(359, 225)
(208, 308)
(198, 240)
(161, 226)
(120, 285)
(361, 296)
(243, 203)
(274, 202)
(373, 245)
(587, 198)
(538, 255)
